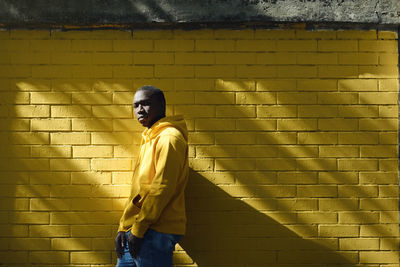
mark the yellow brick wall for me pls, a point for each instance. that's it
(293, 143)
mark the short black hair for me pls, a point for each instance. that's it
(156, 92)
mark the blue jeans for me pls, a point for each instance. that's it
(156, 251)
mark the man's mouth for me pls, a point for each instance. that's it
(142, 118)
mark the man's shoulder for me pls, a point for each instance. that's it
(172, 133)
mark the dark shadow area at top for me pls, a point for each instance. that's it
(224, 231)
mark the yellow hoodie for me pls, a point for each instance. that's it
(159, 179)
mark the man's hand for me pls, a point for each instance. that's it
(135, 243)
(120, 242)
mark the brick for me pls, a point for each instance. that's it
(387, 164)
(92, 98)
(103, 125)
(215, 71)
(273, 58)
(255, 45)
(338, 124)
(297, 71)
(317, 58)
(378, 45)
(378, 178)
(133, 71)
(341, 204)
(378, 124)
(214, 125)
(174, 45)
(201, 164)
(214, 98)
(194, 58)
(274, 34)
(90, 231)
(47, 178)
(384, 230)
(112, 58)
(297, 98)
(298, 151)
(357, 34)
(234, 164)
(90, 257)
(31, 111)
(337, 45)
(339, 151)
(389, 217)
(235, 58)
(91, 45)
(379, 257)
(29, 217)
(66, 58)
(257, 151)
(359, 244)
(297, 125)
(92, 151)
(70, 111)
(14, 45)
(276, 138)
(357, 164)
(358, 111)
(111, 164)
(339, 231)
(234, 34)
(317, 111)
(317, 191)
(318, 217)
(90, 178)
(315, 34)
(358, 138)
(256, 125)
(385, 71)
(390, 204)
(29, 138)
(358, 191)
(388, 111)
(296, 45)
(71, 244)
(388, 191)
(193, 34)
(112, 138)
(234, 138)
(51, 151)
(156, 34)
(255, 98)
(15, 71)
(378, 151)
(115, 111)
(339, 71)
(132, 45)
(388, 138)
(52, 257)
(68, 164)
(358, 58)
(196, 111)
(388, 59)
(237, 112)
(337, 177)
(50, 98)
(29, 58)
(70, 138)
(51, 125)
(276, 85)
(276, 164)
(216, 151)
(49, 231)
(378, 98)
(278, 111)
(50, 45)
(338, 98)
(387, 35)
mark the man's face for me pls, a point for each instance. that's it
(146, 107)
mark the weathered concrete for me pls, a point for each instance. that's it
(32, 13)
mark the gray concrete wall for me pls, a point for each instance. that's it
(34, 13)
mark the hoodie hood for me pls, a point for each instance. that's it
(173, 121)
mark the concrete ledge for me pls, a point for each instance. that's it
(53, 13)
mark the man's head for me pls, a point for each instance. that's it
(149, 105)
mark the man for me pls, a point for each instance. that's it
(154, 218)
